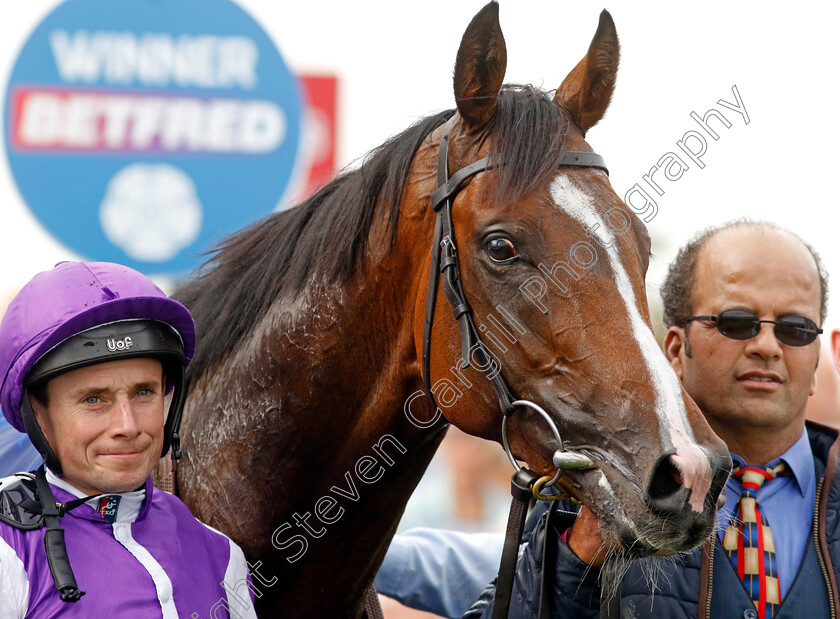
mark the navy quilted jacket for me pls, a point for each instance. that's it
(683, 584)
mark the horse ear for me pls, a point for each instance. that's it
(587, 90)
(480, 68)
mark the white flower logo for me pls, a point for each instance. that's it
(151, 211)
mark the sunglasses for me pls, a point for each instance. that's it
(739, 324)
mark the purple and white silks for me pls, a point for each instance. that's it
(155, 560)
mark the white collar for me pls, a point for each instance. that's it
(129, 505)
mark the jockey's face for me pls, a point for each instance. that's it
(105, 423)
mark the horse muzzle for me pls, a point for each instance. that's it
(682, 491)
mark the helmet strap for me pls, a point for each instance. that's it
(56, 549)
(36, 435)
(171, 437)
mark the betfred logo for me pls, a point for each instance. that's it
(102, 121)
(144, 132)
(82, 119)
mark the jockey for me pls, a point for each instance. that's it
(88, 353)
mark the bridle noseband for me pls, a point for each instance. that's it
(445, 262)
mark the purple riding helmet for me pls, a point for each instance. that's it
(83, 313)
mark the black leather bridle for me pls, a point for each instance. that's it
(445, 262)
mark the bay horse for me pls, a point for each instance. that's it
(307, 426)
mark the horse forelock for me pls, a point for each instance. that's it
(528, 134)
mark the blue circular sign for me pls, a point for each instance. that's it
(143, 131)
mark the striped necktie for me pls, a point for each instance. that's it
(749, 543)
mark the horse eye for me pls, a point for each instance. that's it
(500, 249)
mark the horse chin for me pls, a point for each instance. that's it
(629, 527)
(628, 542)
(626, 523)
(631, 547)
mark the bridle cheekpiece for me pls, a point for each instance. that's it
(445, 263)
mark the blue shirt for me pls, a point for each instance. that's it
(788, 503)
(439, 571)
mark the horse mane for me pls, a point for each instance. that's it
(325, 237)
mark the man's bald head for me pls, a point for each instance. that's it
(680, 281)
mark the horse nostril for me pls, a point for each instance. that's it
(666, 491)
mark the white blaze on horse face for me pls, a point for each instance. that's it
(670, 408)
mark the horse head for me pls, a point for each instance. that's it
(553, 264)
